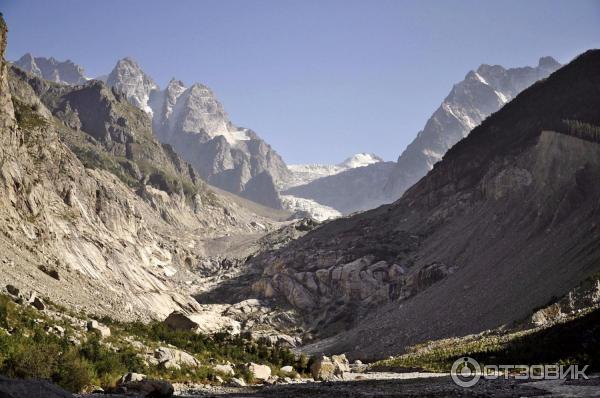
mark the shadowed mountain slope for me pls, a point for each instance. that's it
(509, 219)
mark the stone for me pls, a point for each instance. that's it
(171, 358)
(225, 369)
(219, 379)
(94, 326)
(51, 272)
(179, 321)
(131, 377)
(287, 369)
(13, 290)
(207, 322)
(149, 388)
(15, 388)
(235, 382)
(38, 304)
(326, 368)
(260, 372)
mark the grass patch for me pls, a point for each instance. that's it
(29, 350)
(574, 341)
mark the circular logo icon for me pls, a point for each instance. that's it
(465, 372)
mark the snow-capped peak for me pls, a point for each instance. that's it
(360, 160)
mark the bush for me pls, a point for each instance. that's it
(74, 373)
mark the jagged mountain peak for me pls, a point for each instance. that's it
(482, 92)
(63, 72)
(129, 78)
(548, 62)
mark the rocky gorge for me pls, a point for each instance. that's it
(144, 250)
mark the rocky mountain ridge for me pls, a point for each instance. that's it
(64, 72)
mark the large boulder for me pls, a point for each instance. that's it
(148, 388)
(326, 368)
(10, 388)
(224, 369)
(95, 326)
(260, 372)
(209, 321)
(171, 358)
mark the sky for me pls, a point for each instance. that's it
(319, 80)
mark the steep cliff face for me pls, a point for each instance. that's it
(95, 213)
(505, 222)
(481, 93)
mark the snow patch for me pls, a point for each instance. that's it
(316, 210)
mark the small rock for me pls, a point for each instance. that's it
(51, 272)
(219, 379)
(38, 304)
(235, 382)
(13, 290)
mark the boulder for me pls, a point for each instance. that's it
(326, 368)
(225, 369)
(148, 388)
(174, 358)
(235, 382)
(131, 377)
(13, 290)
(94, 326)
(15, 388)
(260, 372)
(287, 369)
(341, 362)
(38, 304)
(179, 321)
(209, 322)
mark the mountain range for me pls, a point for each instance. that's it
(235, 159)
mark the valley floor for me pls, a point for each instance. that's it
(403, 385)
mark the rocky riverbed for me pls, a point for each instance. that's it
(393, 385)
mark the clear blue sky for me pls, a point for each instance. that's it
(317, 79)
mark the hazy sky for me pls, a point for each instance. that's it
(317, 79)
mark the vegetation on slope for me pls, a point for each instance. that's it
(573, 341)
(30, 347)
